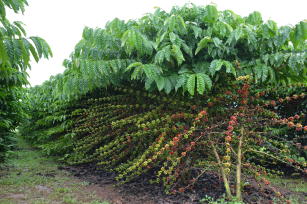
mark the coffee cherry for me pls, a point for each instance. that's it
(226, 158)
(266, 182)
(288, 202)
(278, 194)
(233, 118)
(290, 124)
(231, 122)
(230, 128)
(227, 170)
(299, 127)
(228, 92)
(228, 133)
(176, 139)
(203, 112)
(210, 104)
(181, 190)
(228, 138)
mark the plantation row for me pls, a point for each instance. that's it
(175, 95)
(132, 132)
(16, 50)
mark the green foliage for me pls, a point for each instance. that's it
(211, 14)
(16, 49)
(155, 95)
(153, 50)
(299, 35)
(210, 200)
(202, 44)
(133, 40)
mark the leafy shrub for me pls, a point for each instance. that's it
(15, 53)
(178, 94)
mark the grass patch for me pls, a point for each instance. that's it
(298, 187)
(292, 184)
(30, 177)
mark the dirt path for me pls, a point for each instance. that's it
(30, 178)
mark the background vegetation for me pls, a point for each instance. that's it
(16, 50)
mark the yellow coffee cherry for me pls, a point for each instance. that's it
(227, 170)
(226, 158)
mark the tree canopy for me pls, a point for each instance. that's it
(191, 49)
(16, 50)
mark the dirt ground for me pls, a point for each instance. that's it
(31, 178)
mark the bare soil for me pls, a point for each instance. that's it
(140, 191)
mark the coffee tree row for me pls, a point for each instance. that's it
(16, 49)
(178, 94)
(191, 49)
(133, 132)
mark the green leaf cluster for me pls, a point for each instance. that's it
(189, 50)
(16, 50)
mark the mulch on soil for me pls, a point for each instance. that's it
(140, 191)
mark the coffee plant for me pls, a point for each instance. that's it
(16, 49)
(174, 95)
